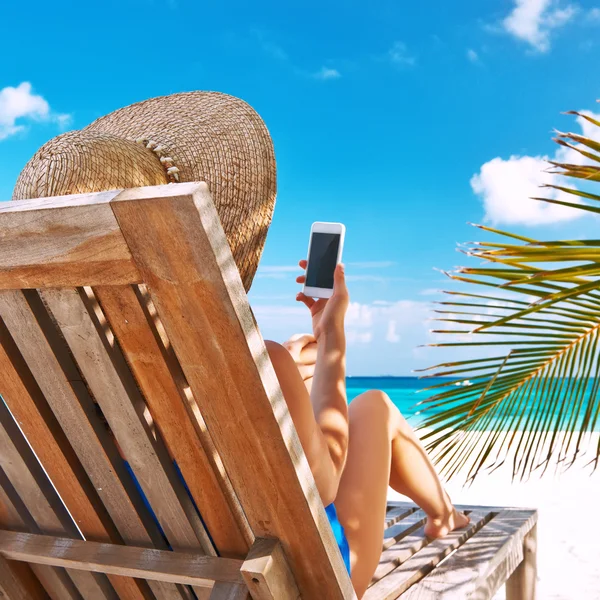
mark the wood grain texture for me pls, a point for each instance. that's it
(482, 564)
(56, 582)
(173, 415)
(226, 591)
(115, 391)
(396, 514)
(145, 563)
(29, 407)
(410, 523)
(38, 495)
(521, 584)
(69, 241)
(193, 409)
(267, 573)
(49, 360)
(424, 561)
(17, 584)
(401, 541)
(179, 247)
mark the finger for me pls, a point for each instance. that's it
(305, 338)
(309, 302)
(303, 263)
(298, 342)
(301, 279)
(308, 354)
(339, 280)
(294, 349)
(306, 371)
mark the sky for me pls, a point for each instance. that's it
(405, 121)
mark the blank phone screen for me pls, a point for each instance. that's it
(322, 259)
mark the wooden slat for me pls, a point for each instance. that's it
(36, 419)
(482, 564)
(402, 528)
(404, 540)
(225, 591)
(105, 370)
(14, 584)
(113, 388)
(174, 416)
(68, 241)
(396, 514)
(179, 246)
(267, 573)
(423, 562)
(56, 582)
(145, 563)
(38, 495)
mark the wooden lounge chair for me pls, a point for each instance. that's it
(125, 332)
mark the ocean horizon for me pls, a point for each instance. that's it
(407, 391)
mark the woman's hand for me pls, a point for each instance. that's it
(303, 349)
(327, 313)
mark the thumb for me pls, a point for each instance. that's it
(339, 280)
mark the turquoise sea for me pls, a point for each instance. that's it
(406, 392)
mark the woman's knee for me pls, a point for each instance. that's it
(373, 402)
(374, 406)
(277, 353)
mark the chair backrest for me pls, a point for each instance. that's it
(125, 333)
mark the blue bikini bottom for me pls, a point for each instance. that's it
(340, 536)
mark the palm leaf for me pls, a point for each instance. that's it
(537, 402)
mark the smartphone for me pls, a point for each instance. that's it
(324, 253)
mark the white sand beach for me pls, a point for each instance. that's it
(568, 527)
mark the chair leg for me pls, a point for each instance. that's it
(521, 584)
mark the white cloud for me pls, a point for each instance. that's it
(594, 14)
(387, 321)
(472, 55)
(375, 323)
(359, 315)
(359, 337)
(383, 337)
(532, 21)
(391, 335)
(18, 103)
(325, 73)
(400, 56)
(507, 186)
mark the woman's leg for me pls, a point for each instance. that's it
(383, 450)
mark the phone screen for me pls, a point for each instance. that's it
(322, 259)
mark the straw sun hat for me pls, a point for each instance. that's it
(194, 136)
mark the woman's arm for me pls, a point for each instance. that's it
(328, 395)
(328, 392)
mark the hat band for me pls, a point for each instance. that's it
(166, 161)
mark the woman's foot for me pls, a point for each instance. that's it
(438, 527)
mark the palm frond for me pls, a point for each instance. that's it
(537, 402)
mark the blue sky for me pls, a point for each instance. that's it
(398, 119)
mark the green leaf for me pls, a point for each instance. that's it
(538, 402)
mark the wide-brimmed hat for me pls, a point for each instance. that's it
(193, 136)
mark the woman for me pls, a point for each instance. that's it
(354, 451)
